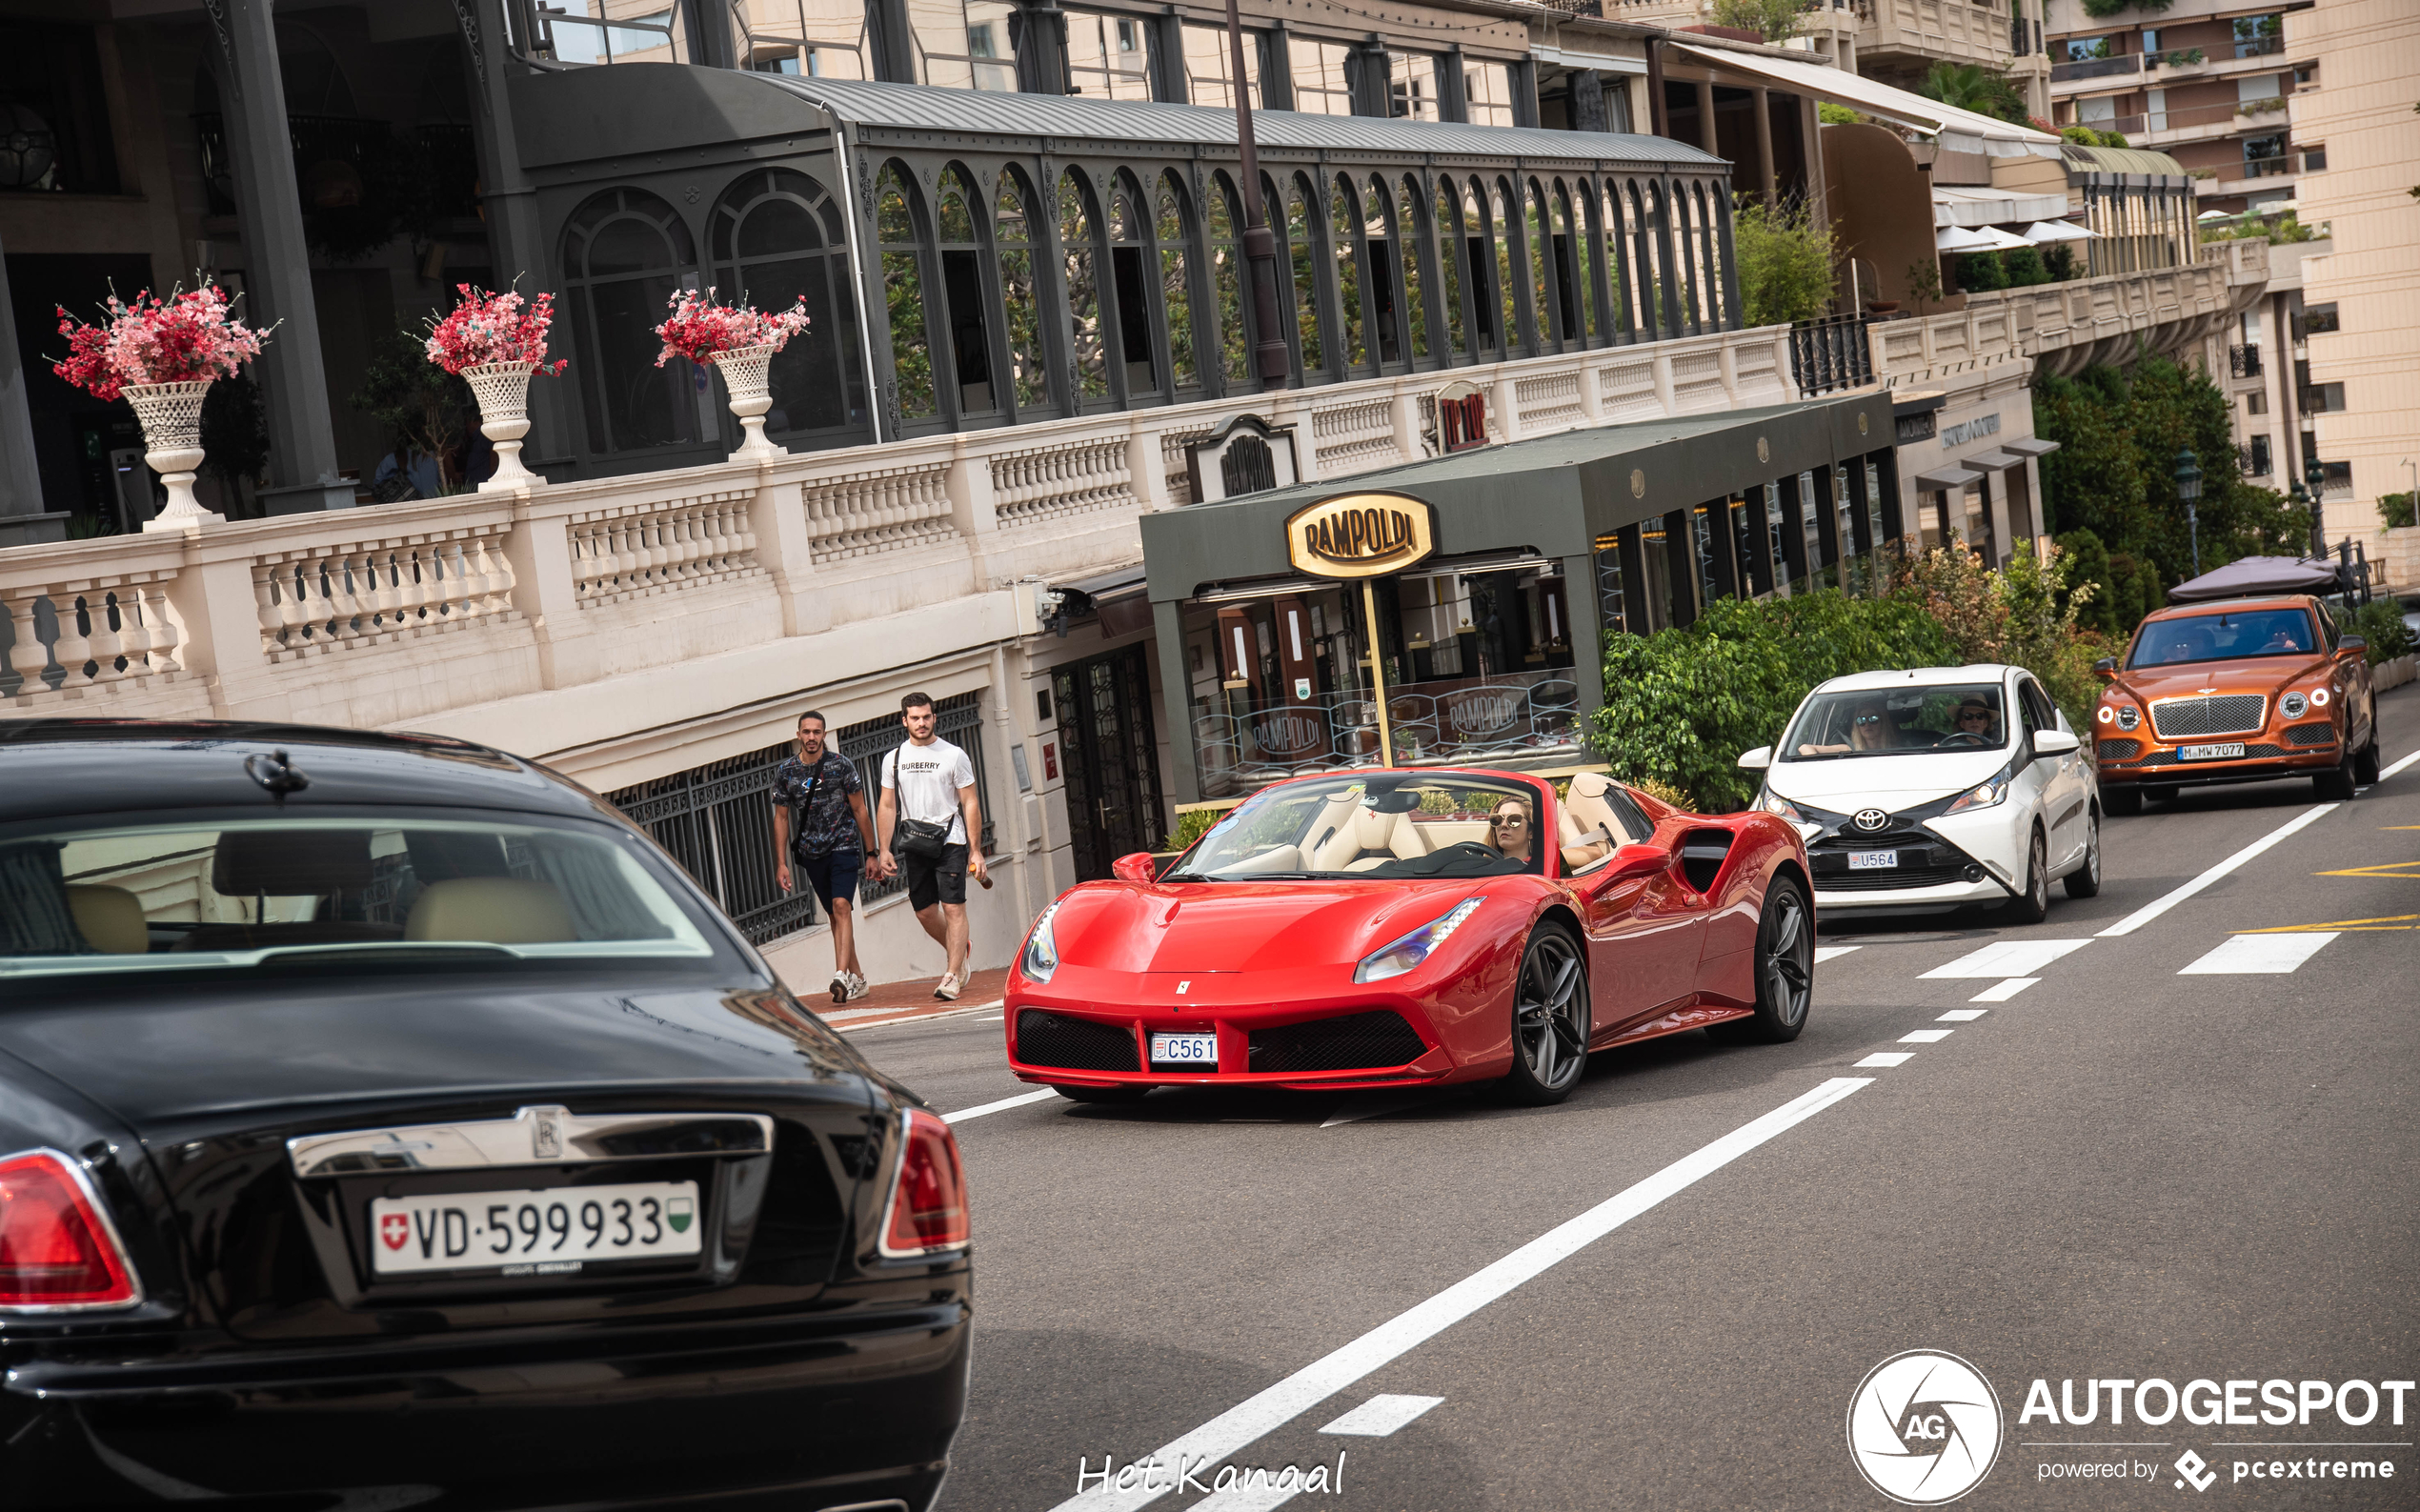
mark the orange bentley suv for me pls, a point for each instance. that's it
(2239, 691)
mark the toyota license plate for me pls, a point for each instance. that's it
(555, 1232)
(1873, 860)
(2210, 753)
(1186, 1050)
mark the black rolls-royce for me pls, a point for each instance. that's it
(386, 1122)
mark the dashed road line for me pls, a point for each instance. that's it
(2001, 991)
(2397, 767)
(1926, 1036)
(2259, 955)
(1883, 1058)
(2007, 958)
(1001, 1106)
(1824, 953)
(2219, 873)
(1279, 1404)
(1962, 1015)
(1380, 1416)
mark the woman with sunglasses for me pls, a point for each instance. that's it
(1509, 830)
(1974, 724)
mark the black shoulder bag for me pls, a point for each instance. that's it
(920, 839)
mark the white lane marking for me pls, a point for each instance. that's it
(1001, 1106)
(1352, 1113)
(1380, 1416)
(2397, 767)
(1824, 953)
(1314, 1384)
(1926, 1036)
(2162, 904)
(2001, 991)
(2259, 955)
(844, 1015)
(1884, 1057)
(2007, 958)
(994, 1018)
(1962, 1015)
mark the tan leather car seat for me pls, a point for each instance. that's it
(1584, 809)
(491, 911)
(1349, 840)
(111, 919)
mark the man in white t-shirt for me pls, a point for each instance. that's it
(930, 812)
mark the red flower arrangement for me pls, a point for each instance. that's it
(699, 328)
(190, 337)
(487, 328)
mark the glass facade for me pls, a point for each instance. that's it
(1108, 56)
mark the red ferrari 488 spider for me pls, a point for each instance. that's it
(1385, 928)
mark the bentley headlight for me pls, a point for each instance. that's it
(1409, 951)
(1040, 959)
(2293, 705)
(2129, 716)
(2105, 714)
(2319, 698)
(1982, 796)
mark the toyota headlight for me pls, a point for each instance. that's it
(1772, 803)
(1409, 951)
(1982, 796)
(2128, 716)
(2293, 705)
(1039, 959)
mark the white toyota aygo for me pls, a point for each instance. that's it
(1939, 788)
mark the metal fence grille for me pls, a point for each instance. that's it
(1832, 353)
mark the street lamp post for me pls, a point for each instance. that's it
(1259, 242)
(2188, 488)
(2315, 473)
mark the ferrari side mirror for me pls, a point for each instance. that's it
(1140, 867)
(1756, 760)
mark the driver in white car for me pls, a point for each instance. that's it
(1976, 718)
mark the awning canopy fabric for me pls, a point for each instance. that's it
(1989, 207)
(1946, 479)
(2045, 230)
(1980, 238)
(1956, 129)
(2255, 575)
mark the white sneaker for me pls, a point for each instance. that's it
(856, 984)
(949, 987)
(840, 992)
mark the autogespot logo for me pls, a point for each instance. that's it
(1924, 1428)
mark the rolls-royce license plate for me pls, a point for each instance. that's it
(554, 1232)
(2210, 753)
(1186, 1050)
(1873, 860)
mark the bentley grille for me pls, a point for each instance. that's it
(2220, 713)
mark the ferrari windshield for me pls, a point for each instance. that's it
(1388, 824)
(2226, 636)
(1895, 721)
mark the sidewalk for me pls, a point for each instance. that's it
(900, 1002)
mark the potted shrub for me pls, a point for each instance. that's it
(738, 341)
(493, 342)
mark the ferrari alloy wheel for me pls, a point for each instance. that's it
(1785, 970)
(1102, 1094)
(1550, 1019)
(2085, 881)
(2033, 905)
(2126, 800)
(2365, 761)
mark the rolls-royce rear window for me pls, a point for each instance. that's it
(170, 895)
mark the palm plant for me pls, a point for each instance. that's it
(1972, 87)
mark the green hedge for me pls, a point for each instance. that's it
(1681, 705)
(2380, 622)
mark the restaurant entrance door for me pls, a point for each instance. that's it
(1112, 758)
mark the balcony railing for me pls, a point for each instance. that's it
(2242, 362)
(2048, 323)
(1831, 353)
(2095, 68)
(2260, 47)
(2268, 167)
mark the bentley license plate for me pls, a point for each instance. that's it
(1186, 1050)
(1873, 860)
(555, 1232)
(2208, 752)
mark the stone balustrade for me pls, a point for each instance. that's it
(627, 595)
(2067, 326)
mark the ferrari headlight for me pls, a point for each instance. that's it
(2319, 698)
(2129, 716)
(2293, 705)
(1982, 796)
(1040, 959)
(1772, 803)
(1409, 951)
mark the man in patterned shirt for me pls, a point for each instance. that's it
(820, 823)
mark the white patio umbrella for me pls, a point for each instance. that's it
(1959, 238)
(1994, 239)
(2043, 230)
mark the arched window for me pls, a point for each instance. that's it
(1487, 282)
(1013, 234)
(624, 252)
(1381, 245)
(1081, 254)
(1418, 255)
(779, 236)
(1301, 227)
(1172, 230)
(1546, 289)
(1506, 206)
(1222, 224)
(1663, 280)
(1452, 251)
(1620, 247)
(1344, 231)
(903, 285)
(1129, 263)
(957, 221)
(1575, 255)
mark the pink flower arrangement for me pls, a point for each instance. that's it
(700, 329)
(487, 328)
(191, 337)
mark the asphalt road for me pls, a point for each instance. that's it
(2122, 1171)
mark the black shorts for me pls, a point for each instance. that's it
(834, 875)
(941, 881)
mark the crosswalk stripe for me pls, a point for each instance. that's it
(2007, 957)
(2259, 955)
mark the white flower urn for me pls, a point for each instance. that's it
(171, 415)
(746, 374)
(503, 392)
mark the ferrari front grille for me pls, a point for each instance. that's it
(2221, 714)
(1351, 1042)
(1074, 1045)
(2311, 735)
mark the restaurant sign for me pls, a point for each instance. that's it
(1356, 535)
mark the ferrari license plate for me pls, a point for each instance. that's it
(1873, 860)
(555, 1232)
(2210, 753)
(1186, 1050)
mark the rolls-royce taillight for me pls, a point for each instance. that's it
(928, 1193)
(58, 1252)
